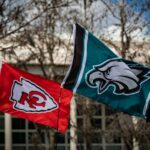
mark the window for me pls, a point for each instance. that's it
(18, 123)
(103, 136)
(2, 138)
(2, 123)
(18, 137)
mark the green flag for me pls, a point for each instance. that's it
(98, 73)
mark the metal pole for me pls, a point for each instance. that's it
(8, 132)
(73, 125)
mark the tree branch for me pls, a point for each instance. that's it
(33, 19)
(110, 9)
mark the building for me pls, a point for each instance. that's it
(25, 135)
(103, 134)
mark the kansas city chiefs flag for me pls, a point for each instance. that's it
(98, 73)
(34, 98)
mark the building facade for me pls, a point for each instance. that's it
(25, 135)
(102, 135)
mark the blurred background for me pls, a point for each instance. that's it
(36, 36)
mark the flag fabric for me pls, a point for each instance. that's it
(98, 73)
(34, 98)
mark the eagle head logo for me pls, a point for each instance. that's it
(125, 76)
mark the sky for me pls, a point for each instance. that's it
(137, 8)
(107, 24)
(110, 24)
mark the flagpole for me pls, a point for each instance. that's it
(8, 132)
(73, 125)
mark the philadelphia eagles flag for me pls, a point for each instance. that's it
(98, 73)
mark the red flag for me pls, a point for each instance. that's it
(34, 98)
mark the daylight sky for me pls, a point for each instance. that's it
(109, 26)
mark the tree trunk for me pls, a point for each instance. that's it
(87, 126)
(135, 142)
(127, 130)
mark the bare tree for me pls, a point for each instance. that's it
(130, 22)
(32, 31)
(128, 19)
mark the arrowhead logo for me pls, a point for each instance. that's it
(29, 97)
